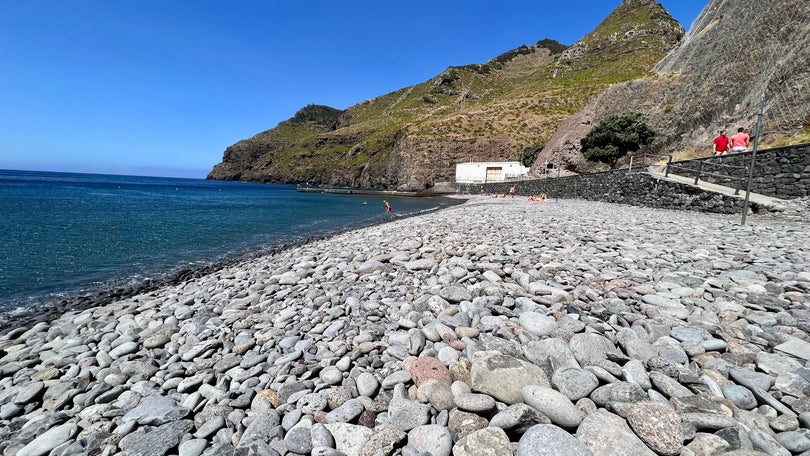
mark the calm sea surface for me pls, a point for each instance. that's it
(63, 234)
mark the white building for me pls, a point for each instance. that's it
(487, 172)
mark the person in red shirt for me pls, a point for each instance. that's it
(722, 145)
(739, 141)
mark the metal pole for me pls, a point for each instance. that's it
(740, 180)
(630, 168)
(753, 158)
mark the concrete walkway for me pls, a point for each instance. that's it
(768, 201)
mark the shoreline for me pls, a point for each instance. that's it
(49, 308)
(522, 328)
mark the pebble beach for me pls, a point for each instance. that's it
(495, 327)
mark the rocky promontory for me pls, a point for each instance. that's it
(496, 327)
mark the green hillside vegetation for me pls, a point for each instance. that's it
(623, 47)
(518, 97)
(802, 136)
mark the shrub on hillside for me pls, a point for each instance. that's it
(509, 55)
(552, 45)
(529, 154)
(319, 114)
(615, 136)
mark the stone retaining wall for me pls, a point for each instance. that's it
(783, 173)
(638, 189)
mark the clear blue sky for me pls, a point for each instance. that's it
(161, 88)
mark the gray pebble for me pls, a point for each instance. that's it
(574, 383)
(550, 440)
(553, 404)
(740, 396)
(367, 384)
(766, 443)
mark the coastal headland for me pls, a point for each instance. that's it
(494, 327)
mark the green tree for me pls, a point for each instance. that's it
(529, 154)
(615, 136)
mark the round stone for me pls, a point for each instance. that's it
(432, 439)
(490, 441)
(538, 324)
(438, 394)
(311, 403)
(473, 402)
(367, 384)
(550, 440)
(553, 404)
(574, 383)
(331, 375)
(794, 441)
(658, 425)
(425, 368)
(618, 392)
(347, 412)
(607, 434)
(463, 424)
(740, 396)
(518, 418)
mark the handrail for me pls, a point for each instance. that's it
(700, 173)
(644, 158)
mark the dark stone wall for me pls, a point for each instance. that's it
(782, 173)
(636, 188)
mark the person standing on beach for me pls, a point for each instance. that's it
(721, 144)
(739, 141)
(387, 206)
(512, 191)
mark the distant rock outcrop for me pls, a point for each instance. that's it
(247, 160)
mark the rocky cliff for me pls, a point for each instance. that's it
(637, 59)
(736, 52)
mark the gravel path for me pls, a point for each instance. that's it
(497, 327)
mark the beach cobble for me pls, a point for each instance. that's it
(496, 327)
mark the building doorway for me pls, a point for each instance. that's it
(494, 174)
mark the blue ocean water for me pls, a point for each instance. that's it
(63, 234)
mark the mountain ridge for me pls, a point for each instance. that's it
(544, 93)
(713, 80)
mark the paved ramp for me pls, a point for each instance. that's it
(763, 200)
